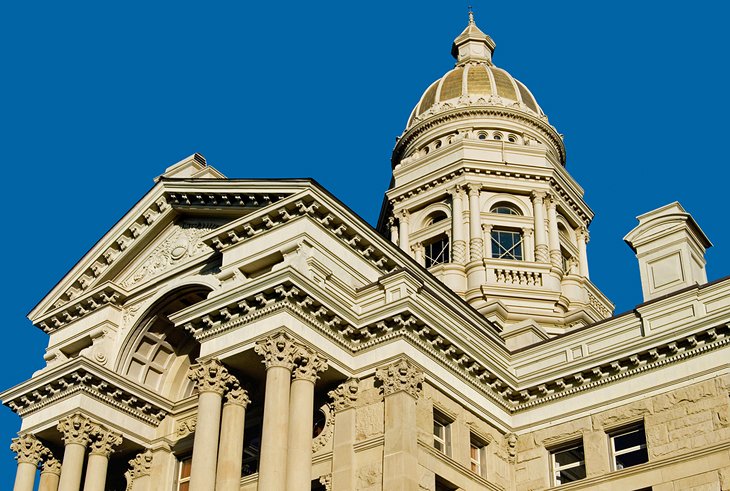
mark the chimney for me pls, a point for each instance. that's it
(670, 247)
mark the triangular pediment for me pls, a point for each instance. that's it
(175, 213)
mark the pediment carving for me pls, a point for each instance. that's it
(181, 244)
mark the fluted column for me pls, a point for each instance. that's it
(138, 474)
(344, 398)
(75, 431)
(541, 246)
(103, 442)
(210, 378)
(553, 236)
(50, 474)
(28, 452)
(301, 414)
(476, 243)
(402, 383)
(279, 353)
(582, 237)
(230, 451)
(418, 253)
(458, 243)
(403, 239)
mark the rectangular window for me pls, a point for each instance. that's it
(436, 252)
(183, 477)
(441, 433)
(628, 447)
(477, 456)
(568, 464)
(507, 244)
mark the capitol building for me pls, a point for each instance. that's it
(255, 334)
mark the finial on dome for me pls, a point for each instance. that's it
(472, 45)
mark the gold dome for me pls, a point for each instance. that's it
(475, 81)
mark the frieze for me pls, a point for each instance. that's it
(80, 380)
(186, 426)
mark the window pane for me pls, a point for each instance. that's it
(570, 456)
(572, 474)
(184, 486)
(185, 466)
(629, 439)
(632, 458)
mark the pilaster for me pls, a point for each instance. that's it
(344, 398)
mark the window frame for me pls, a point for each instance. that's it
(442, 421)
(495, 241)
(180, 466)
(555, 467)
(476, 443)
(626, 430)
(444, 254)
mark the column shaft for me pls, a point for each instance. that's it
(72, 467)
(400, 458)
(554, 238)
(25, 476)
(96, 472)
(403, 241)
(230, 454)
(343, 450)
(541, 247)
(529, 244)
(301, 415)
(476, 243)
(583, 253)
(49, 481)
(205, 443)
(272, 463)
(458, 244)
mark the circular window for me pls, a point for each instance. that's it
(482, 136)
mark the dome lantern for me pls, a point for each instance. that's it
(472, 45)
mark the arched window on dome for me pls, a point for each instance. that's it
(435, 217)
(504, 208)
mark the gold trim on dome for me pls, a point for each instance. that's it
(429, 98)
(451, 88)
(478, 80)
(504, 84)
(527, 98)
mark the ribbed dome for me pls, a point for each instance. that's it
(475, 81)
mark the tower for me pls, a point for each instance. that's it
(481, 197)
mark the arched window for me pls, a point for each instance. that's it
(435, 217)
(436, 251)
(505, 209)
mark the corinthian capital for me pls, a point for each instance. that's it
(103, 441)
(400, 376)
(237, 395)
(473, 189)
(308, 365)
(345, 395)
(538, 196)
(139, 466)
(75, 429)
(51, 465)
(209, 376)
(278, 350)
(28, 449)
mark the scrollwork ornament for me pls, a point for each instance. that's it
(309, 365)
(139, 466)
(209, 376)
(237, 395)
(28, 449)
(345, 395)
(103, 441)
(325, 435)
(76, 429)
(326, 481)
(278, 350)
(400, 376)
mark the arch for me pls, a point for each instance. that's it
(510, 200)
(436, 210)
(565, 228)
(155, 353)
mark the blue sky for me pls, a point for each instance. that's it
(97, 99)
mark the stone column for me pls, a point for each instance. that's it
(458, 243)
(279, 352)
(138, 474)
(301, 415)
(553, 236)
(403, 219)
(582, 236)
(50, 474)
(101, 446)
(211, 378)
(344, 398)
(541, 247)
(402, 384)
(529, 244)
(230, 451)
(28, 452)
(418, 253)
(393, 230)
(476, 243)
(75, 431)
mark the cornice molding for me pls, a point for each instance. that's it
(69, 380)
(107, 294)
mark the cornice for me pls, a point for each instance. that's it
(107, 294)
(80, 376)
(476, 111)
